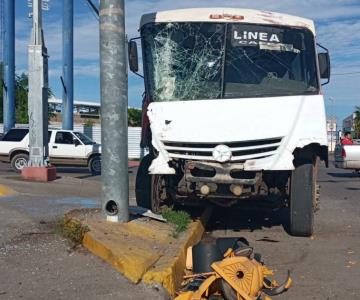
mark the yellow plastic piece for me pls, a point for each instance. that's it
(185, 296)
(288, 283)
(201, 293)
(245, 276)
(189, 259)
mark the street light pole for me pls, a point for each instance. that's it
(114, 102)
(331, 99)
(38, 91)
(9, 65)
(68, 65)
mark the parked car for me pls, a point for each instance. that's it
(347, 157)
(66, 148)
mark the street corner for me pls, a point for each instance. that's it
(5, 190)
(142, 249)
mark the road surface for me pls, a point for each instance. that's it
(36, 263)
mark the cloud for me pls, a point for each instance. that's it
(86, 39)
(337, 22)
(88, 70)
(86, 31)
(342, 37)
(319, 10)
(92, 70)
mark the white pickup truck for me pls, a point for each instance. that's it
(347, 157)
(66, 147)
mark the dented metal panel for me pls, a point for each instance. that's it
(298, 119)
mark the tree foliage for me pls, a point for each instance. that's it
(21, 99)
(134, 117)
(357, 122)
(21, 102)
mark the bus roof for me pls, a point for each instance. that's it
(218, 14)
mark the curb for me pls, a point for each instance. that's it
(168, 270)
(141, 249)
(6, 191)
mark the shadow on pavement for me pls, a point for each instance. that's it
(72, 170)
(344, 175)
(251, 215)
(353, 189)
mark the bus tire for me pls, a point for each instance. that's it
(147, 186)
(302, 199)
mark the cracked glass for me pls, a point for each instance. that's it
(194, 61)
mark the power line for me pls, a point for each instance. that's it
(349, 73)
(93, 8)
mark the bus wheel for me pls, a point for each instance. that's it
(302, 200)
(148, 187)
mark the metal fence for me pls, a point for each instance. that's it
(94, 132)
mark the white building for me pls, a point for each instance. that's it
(348, 123)
(332, 130)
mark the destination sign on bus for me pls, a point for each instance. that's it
(250, 35)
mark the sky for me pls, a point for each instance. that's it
(337, 23)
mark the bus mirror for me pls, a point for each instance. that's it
(133, 57)
(324, 65)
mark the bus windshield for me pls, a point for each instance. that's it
(199, 61)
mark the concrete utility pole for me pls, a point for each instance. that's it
(9, 66)
(331, 100)
(114, 102)
(38, 92)
(68, 65)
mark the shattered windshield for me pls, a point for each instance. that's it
(193, 61)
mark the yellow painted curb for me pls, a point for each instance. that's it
(169, 269)
(6, 191)
(130, 259)
(141, 249)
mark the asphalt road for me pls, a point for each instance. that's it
(325, 266)
(86, 184)
(36, 263)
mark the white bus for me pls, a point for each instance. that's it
(233, 108)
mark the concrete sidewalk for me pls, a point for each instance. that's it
(72, 184)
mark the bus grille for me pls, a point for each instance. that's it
(241, 151)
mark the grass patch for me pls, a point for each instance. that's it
(179, 218)
(72, 230)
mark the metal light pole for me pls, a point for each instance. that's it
(331, 100)
(38, 91)
(9, 65)
(68, 65)
(114, 102)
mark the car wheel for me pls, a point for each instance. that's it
(19, 161)
(303, 194)
(95, 165)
